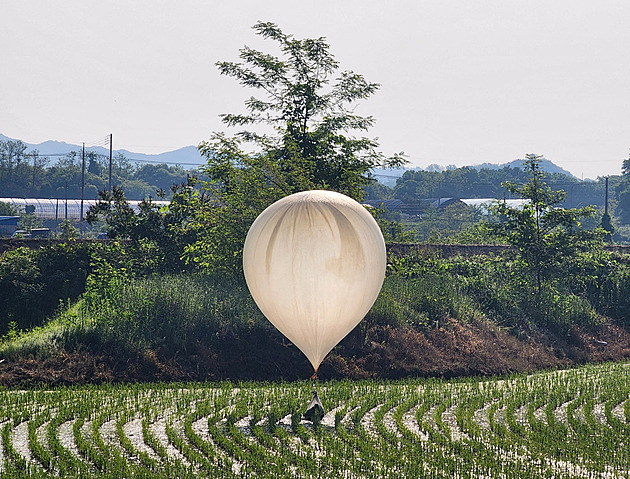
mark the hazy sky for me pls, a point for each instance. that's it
(463, 82)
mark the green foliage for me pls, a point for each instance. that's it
(468, 182)
(437, 225)
(160, 176)
(115, 211)
(606, 225)
(544, 234)
(167, 313)
(609, 288)
(67, 230)
(483, 233)
(145, 313)
(158, 234)
(29, 221)
(463, 182)
(311, 112)
(425, 290)
(31, 175)
(623, 200)
(7, 209)
(33, 282)
(391, 226)
(21, 289)
(625, 167)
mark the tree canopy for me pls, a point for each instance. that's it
(305, 111)
(31, 175)
(310, 107)
(544, 234)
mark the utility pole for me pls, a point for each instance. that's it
(33, 183)
(110, 162)
(606, 202)
(82, 179)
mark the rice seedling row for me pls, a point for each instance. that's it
(572, 424)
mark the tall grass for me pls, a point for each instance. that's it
(170, 312)
(160, 312)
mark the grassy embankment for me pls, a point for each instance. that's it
(435, 317)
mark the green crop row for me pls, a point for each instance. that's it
(572, 423)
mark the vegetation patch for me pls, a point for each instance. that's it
(569, 423)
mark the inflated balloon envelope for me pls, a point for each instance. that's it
(314, 263)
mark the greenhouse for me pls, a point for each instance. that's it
(59, 208)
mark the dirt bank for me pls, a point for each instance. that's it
(382, 352)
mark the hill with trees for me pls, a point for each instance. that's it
(31, 175)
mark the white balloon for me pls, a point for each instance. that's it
(314, 263)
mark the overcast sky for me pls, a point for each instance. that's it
(463, 82)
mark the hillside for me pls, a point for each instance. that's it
(436, 316)
(388, 176)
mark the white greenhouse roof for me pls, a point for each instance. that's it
(55, 209)
(485, 203)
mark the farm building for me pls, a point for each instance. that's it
(421, 206)
(8, 225)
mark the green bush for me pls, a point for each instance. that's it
(615, 294)
(35, 282)
(497, 287)
(428, 291)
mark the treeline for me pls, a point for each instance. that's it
(460, 224)
(467, 182)
(31, 175)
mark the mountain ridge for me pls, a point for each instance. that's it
(187, 155)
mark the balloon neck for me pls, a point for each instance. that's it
(314, 376)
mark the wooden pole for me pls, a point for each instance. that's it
(82, 179)
(110, 162)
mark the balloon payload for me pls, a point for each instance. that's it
(314, 263)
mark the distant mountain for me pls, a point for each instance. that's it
(186, 156)
(547, 166)
(189, 156)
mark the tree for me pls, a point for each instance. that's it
(115, 211)
(161, 232)
(309, 107)
(161, 175)
(544, 234)
(623, 194)
(623, 202)
(311, 114)
(67, 230)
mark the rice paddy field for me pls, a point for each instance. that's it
(571, 423)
